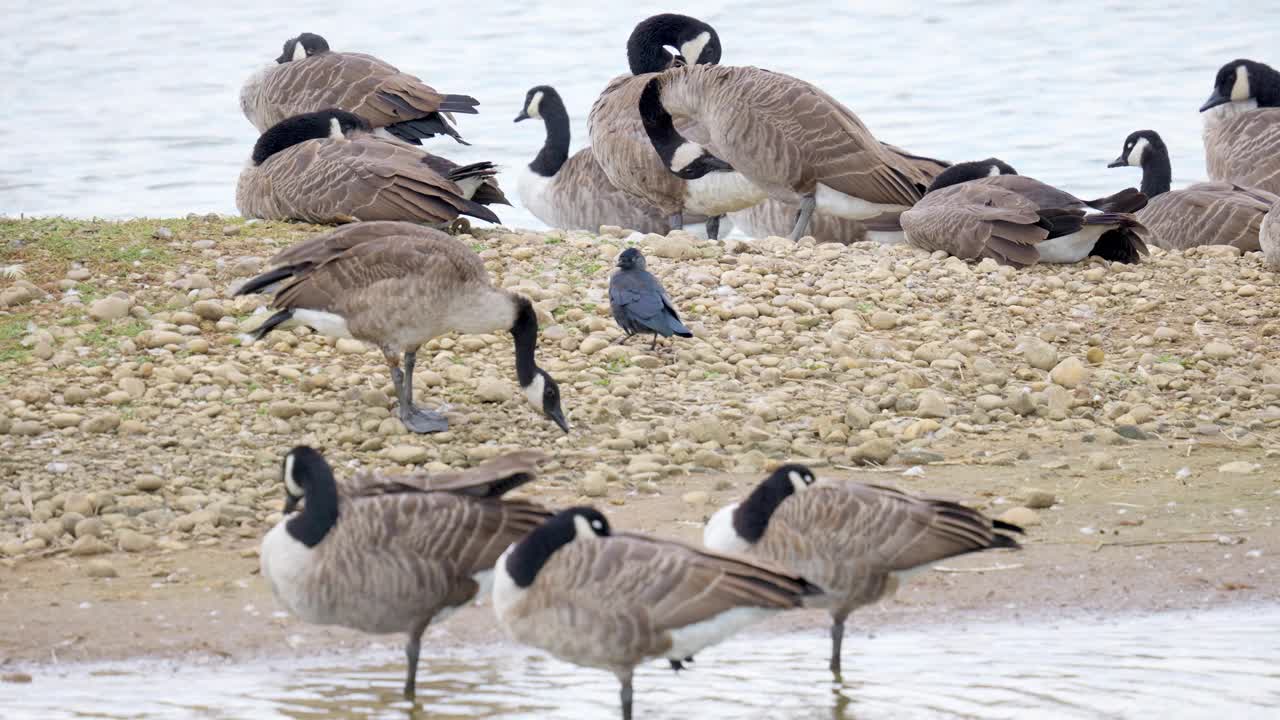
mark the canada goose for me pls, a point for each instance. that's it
(1210, 213)
(573, 192)
(307, 77)
(639, 302)
(985, 209)
(618, 138)
(856, 541)
(389, 554)
(609, 600)
(397, 285)
(821, 157)
(325, 167)
(1242, 126)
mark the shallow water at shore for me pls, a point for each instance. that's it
(131, 108)
(1218, 664)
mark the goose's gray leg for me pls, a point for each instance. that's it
(807, 206)
(414, 418)
(411, 654)
(676, 222)
(625, 694)
(713, 227)
(837, 639)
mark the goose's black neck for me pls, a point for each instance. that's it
(555, 151)
(320, 511)
(527, 558)
(525, 332)
(751, 518)
(658, 124)
(1157, 175)
(1265, 81)
(301, 128)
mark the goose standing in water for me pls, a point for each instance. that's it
(308, 77)
(620, 144)
(985, 209)
(390, 554)
(855, 541)
(1242, 126)
(326, 167)
(573, 192)
(395, 286)
(607, 600)
(1212, 213)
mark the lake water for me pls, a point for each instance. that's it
(1176, 666)
(131, 107)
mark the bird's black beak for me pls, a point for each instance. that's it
(524, 115)
(290, 503)
(716, 164)
(1214, 101)
(1118, 162)
(679, 61)
(558, 416)
(282, 60)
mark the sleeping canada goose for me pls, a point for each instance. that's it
(397, 285)
(325, 167)
(1242, 126)
(574, 192)
(855, 541)
(387, 554)
(1211, 213)
(820, 155)
(307, 77)
(984, 209)
(618, 138)
(609, 600)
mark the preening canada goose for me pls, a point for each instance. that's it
(1242, 126)
(639, 302)
(388, 554)
(308, 77)
(619, 141)
(609, 600)
(855, 541)
(573, 192)
(984, 209)
(325, 167)
(397, 285)
(820, 156)
(1212, 213)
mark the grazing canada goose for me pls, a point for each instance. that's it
(639, 302)
(1210, 213)
(985, 209)
(389, 554)
(1242, 126)
(618, 138)
(821, 157)
(855, 541)
(307, 77)
(573, 192)
(609, 600)
(397, 285)
(325, 167)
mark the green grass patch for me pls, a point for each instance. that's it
(12, 330)
(62, 240)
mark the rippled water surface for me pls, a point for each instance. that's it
(130, 107)
(1220, 665)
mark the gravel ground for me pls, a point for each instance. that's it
(133, 421)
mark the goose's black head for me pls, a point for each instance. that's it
(307, 475)
(752, 516)
(303, 468)
(687, 160)
(530, 554)
(1140, 146)
(334, 124)
(1243, 80)
(694, 42)
(303, 46)
(631, 259)
(536, 99)
(974, 170)
(544, 395)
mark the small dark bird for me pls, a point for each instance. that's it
(639, 303)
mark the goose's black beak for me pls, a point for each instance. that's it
(1118, 162)
(282, 59)
(558, 416)
(290, 503)
(1215, 100)
(524, 115)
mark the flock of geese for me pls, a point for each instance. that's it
(681, 139)
(392, 553)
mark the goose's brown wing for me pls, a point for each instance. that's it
(973, 221)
